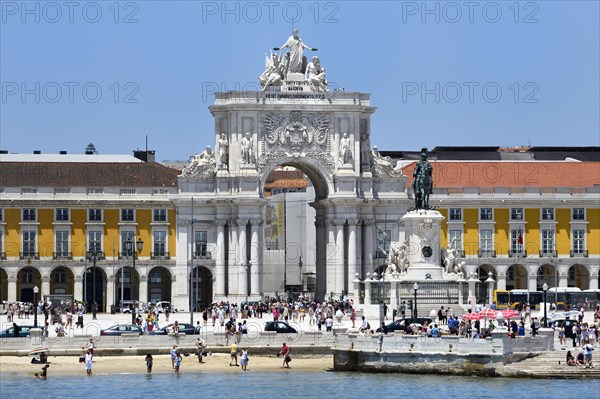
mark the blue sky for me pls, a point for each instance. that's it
(440, 73)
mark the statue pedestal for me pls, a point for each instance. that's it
(424, 271)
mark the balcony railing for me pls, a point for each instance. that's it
(89, 255)
(127, 255)
(160, 255)
(517, 254)
(548, 254)
(486, 253)
(579, 254)
(202, 255)
(62, 255)
(29, 255)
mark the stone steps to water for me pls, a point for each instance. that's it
(550, 365)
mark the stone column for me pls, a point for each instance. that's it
(242, 265)
(472, 281)
(255, 247)
(219, 257)
(594, 270)
(460, 293)
(331, 259)
(532, 281)
(367, 282)
(110, 292)
(563, 278)
(339, 256)
(143, 289)
(233, 263)
(501, 283)
(352, 252)
(174, 291)
(12, 289)
(321, 272)
(368, 245)
(77, 288)
(393, 296)
(45, 288)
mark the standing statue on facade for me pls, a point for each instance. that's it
(247, 149)
(315, 75)
(345, 152)
(422, 181)
(296, 61)
(223, 151)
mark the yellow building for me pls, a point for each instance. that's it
(68, 224)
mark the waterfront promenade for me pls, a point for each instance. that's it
(309, 344)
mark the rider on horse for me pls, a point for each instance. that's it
(422, 181)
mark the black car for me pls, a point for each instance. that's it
(280, 327)
(186, 328)
(401, 324)
(567, 324)
(119, 329)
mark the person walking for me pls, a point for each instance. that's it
(244, 359)
(88, 362)
(234, 355)
(285, 352)
(173, 355)
(200, 349)
(177, 362)
(149, 363)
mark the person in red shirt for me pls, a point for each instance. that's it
(285, 352)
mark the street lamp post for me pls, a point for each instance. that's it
(415, 288)
(301, 277)
(545, 289)
(35, 305)
(134, 250)
(94, 305)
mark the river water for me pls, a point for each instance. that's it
(292, 385)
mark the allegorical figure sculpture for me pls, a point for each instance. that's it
(398, 256)
(315, 74)
(296, 62)
(345, 151)
(273, 74)
(223, 151)
(451, 260)
(422, 181)
(201, 163)
(247, 149)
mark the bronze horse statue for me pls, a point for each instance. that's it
(422, 181)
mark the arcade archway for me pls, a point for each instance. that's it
(201, 287)
(516, 277)
(159, 284)
(27, 278)
(127, 282)
(546, 274)
(3, 285)
(579, 276)
(94, 288)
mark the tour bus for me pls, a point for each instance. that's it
(565, 298)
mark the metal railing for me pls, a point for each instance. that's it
(486, 253)
(202, 255)
(62, 256)
(431, 293)
(127, 255)
(163, 255)
(548, 254)
(99, 255)
(579, 254)
(29, 255)
(517, 254)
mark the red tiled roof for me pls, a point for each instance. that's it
(81, 174)
(511, 174)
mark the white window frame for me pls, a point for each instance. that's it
(582, 240)
(514, 239)
(458, 241)
(34, 214)
(62, 253)
(90, 214)
(573, 219)
(545, 248)
(60, 210)
(460, 211)
(28, 230)
(547, 214)
(124, 236)
(154, 211)
(127, 209)
(197, 252)
(491, 214)
(166, 243)
(485, 240)
(522, 213)
(89, 240)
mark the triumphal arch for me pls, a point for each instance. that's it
(295, 119)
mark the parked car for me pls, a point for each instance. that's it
(127, 305)
(280, 327)
(567, 324)
(162, 306)
(10, 333)
(119, 329)
(401, 324)
(186, 328)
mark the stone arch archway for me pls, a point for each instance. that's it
(3, 285)
(159, 284)
(578, 276)
(62, 281)
(201, 287)
(27, 278)
(94, 288)
(516, 277)
(546, 273)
